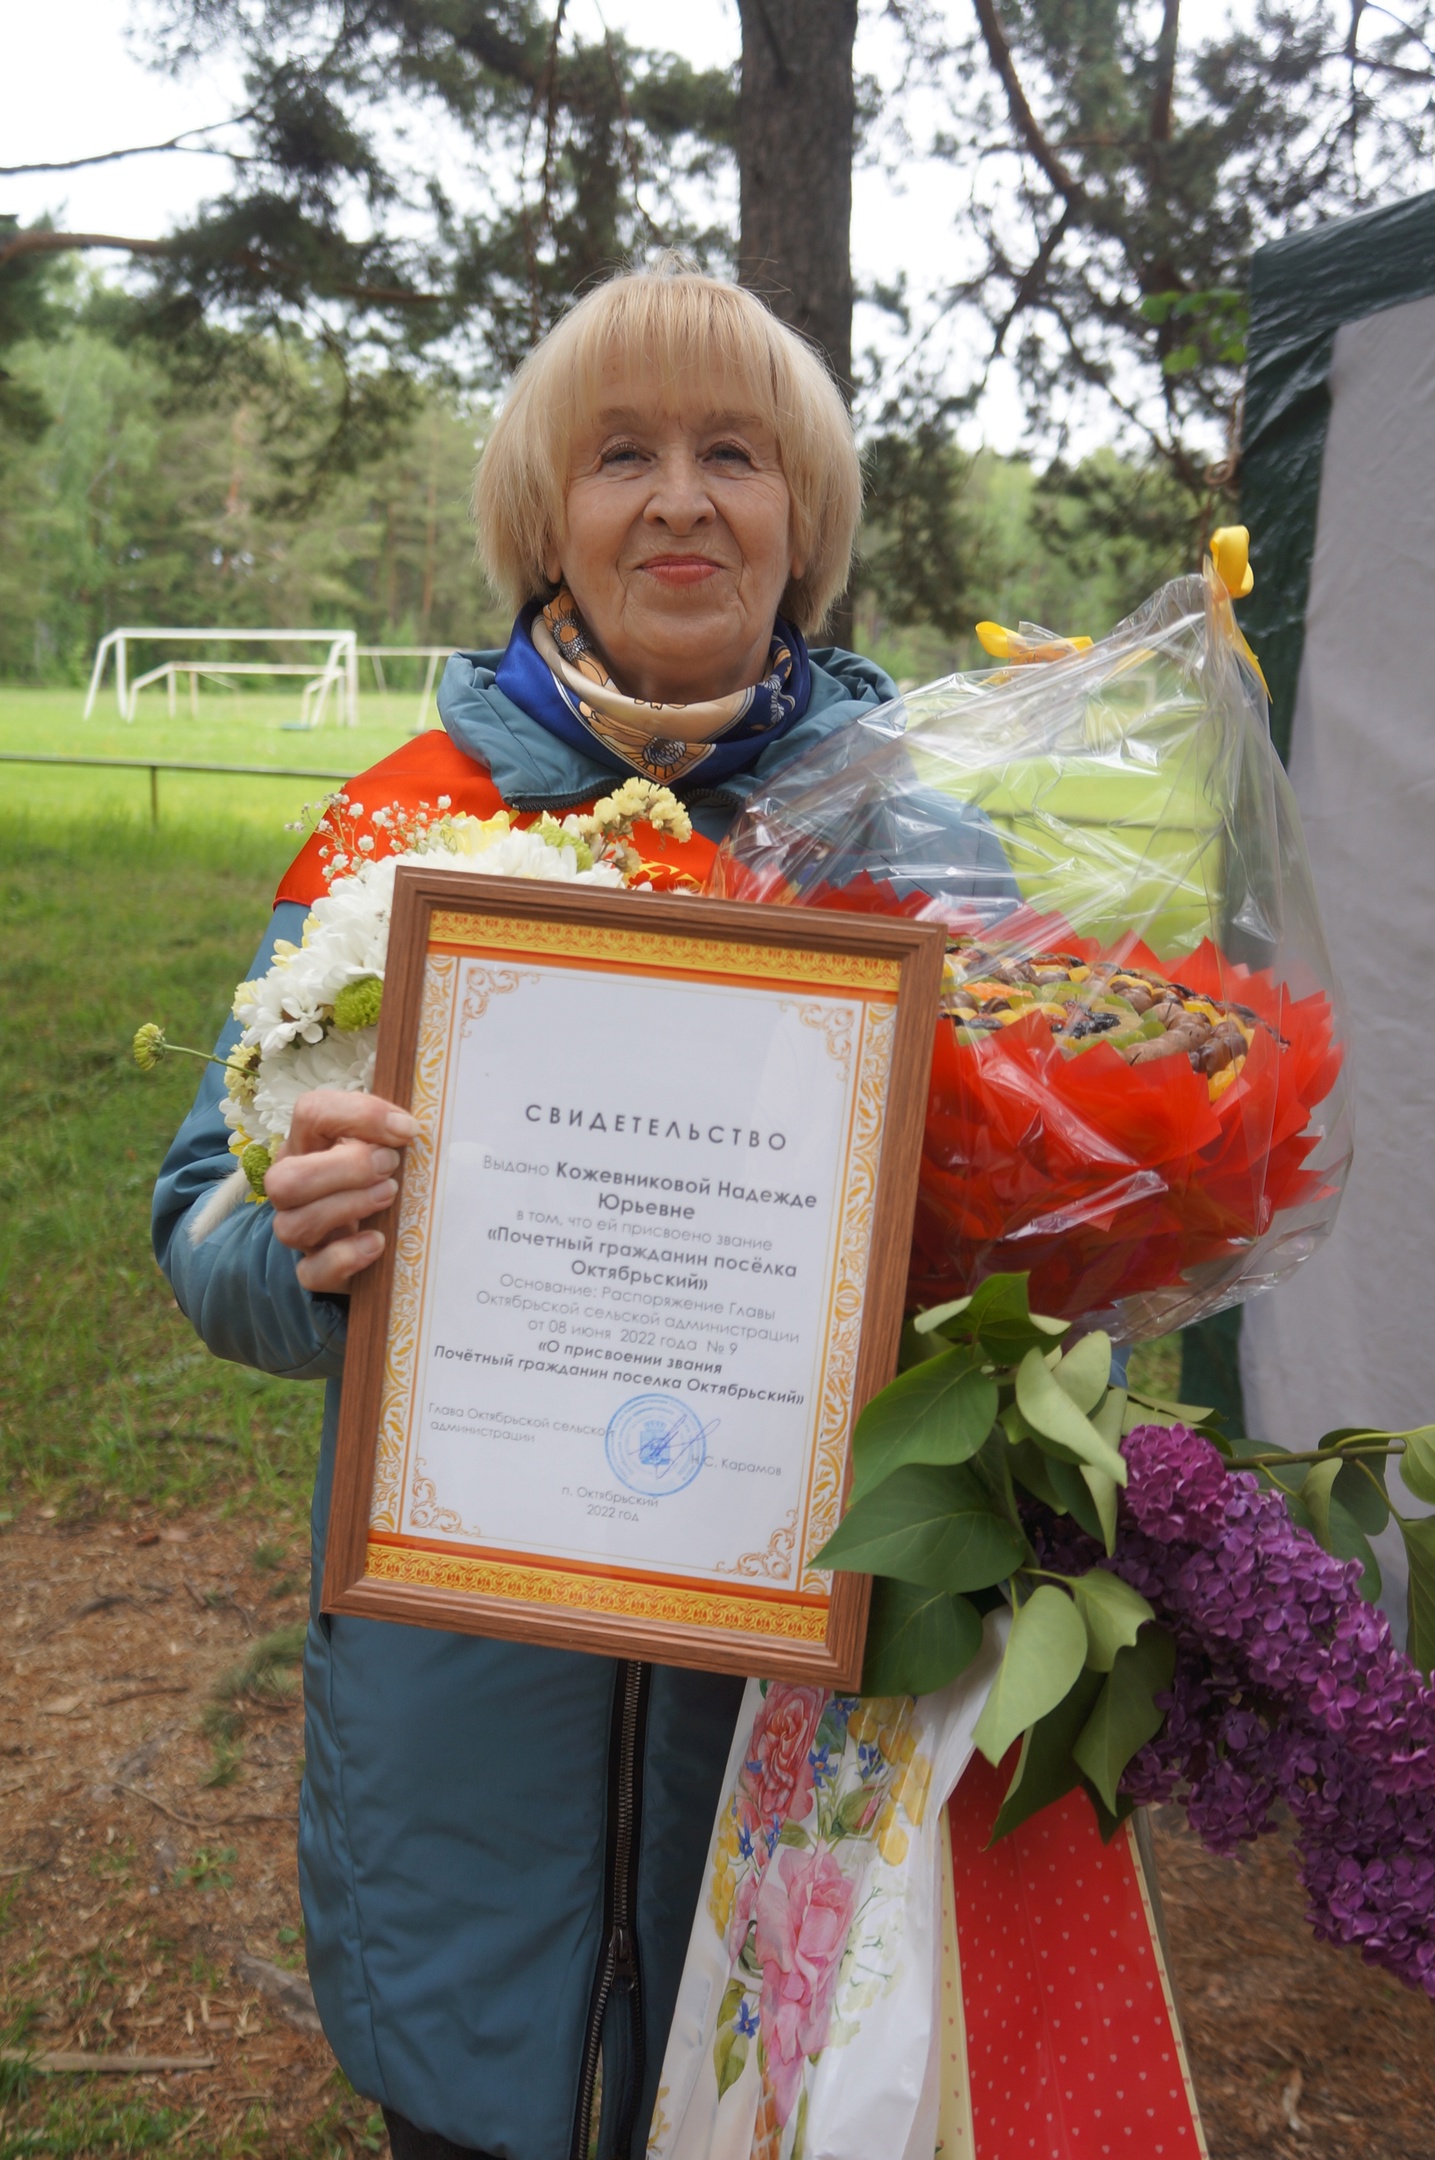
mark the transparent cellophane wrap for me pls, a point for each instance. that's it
(1140, 1080)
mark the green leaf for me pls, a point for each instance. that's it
(1103, 1493)
(1014, 1425)
(914, 1349)
(1085, 1371)
(729, 2057)
(917, 1639)
(732, 1995)
(940, 1412)
(1417, 1464)
(855, 1808)
(1109, 1416)
(1076, 1496)
(926, 1525)
(1360, 1488)
(1419, 1535)
(1172, 1413)
(793, 1833)
(1050, 1410)
(1046, 1771)
(1114, 1614)
(1032, 1469)
(1107, 1822)
(1315, 1492)
(998, 1317)
(1126, 1717)
(1349, 1542)
(1044, 1657)
(938, 1315)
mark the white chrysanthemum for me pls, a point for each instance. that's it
(289, 1013)
(338, 1061)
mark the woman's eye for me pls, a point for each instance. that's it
(730, 454)
(620, 454)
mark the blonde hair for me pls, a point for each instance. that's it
(696, 330)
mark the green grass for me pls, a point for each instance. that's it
(106, 1396)
(246, 729)
(1156, 1367)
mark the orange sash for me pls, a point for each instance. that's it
(432, 765)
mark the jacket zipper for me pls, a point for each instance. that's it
(618, 1966)
(555, 805)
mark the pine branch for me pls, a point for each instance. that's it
(109, 157)
(1028, 127)
(44, 242)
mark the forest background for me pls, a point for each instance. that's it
(138, 505)
(269, 410)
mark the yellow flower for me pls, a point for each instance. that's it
(912, 1786)
(149, 1046)
(241, 1072)
(723, 1888)
(892, 1839)
(895, 1736)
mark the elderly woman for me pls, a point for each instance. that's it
(501, 1846)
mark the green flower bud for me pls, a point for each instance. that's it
(358, 1003)
(149, 1046)
(254, 1162)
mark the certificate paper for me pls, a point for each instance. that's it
(632, 1269)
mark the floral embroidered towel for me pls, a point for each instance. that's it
(806, 2018)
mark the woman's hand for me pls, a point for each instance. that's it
(335, 1168)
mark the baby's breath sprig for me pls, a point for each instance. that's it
(637, 801)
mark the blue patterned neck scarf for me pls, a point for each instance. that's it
(553, 672)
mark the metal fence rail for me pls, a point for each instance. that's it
(155, 766)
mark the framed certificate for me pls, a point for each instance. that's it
(646, 1264)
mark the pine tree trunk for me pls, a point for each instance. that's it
(796, 124)
(796, 135)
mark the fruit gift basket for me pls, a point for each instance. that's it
(1140, 1082)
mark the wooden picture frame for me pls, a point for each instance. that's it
(514, 1009)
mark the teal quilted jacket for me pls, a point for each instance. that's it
(501, 1848)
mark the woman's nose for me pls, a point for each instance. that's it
(679, 497)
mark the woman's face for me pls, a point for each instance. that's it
(677, 541)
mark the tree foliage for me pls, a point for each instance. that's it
(1123, 165)
(141, 505)
(415, 185)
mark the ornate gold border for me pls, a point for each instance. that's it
(410, 1242)
(874, 1031)
(442, 976)
(854, 1245)
(597, 1594)
(775, 1558)
(866, 973)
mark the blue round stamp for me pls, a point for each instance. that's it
(655, 1445)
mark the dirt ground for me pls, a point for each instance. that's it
(150, 1741)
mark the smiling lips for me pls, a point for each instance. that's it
(677, 571)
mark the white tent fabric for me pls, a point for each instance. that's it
(1351, 1338)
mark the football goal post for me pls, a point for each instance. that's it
(336, 673)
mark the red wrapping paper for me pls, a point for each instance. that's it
(1103, 1180)
(1065, 2044)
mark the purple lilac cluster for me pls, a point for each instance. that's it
(1287, 1687)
